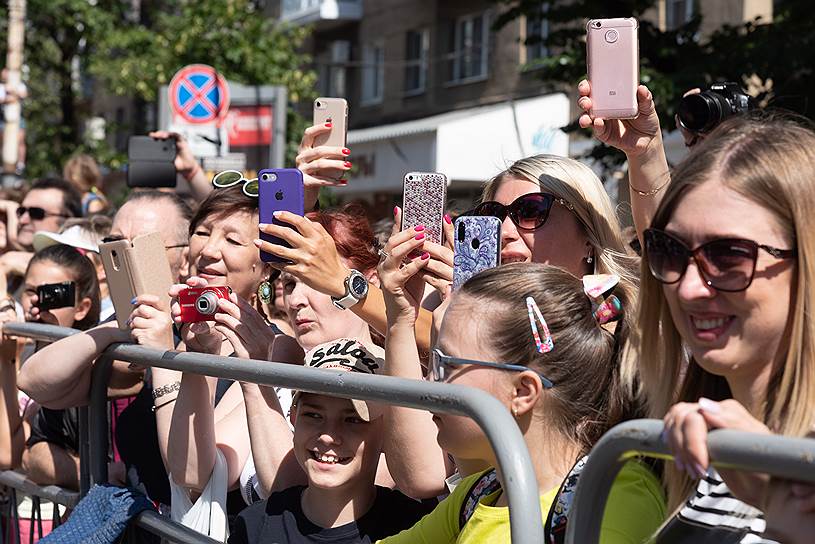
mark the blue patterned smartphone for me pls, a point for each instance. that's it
(476, 246)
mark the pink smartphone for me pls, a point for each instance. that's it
(613, 59)
(423, 199)
(334, 111)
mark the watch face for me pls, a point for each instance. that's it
(359, 286)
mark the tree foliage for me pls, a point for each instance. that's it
(75, 47)
(773, 61)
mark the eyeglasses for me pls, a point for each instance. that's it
(107, 239)
(726, 264)
(229, 178)
(36, 213)
(439, 363)
(528, 212)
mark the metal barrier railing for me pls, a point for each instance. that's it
(784, 457)
(507, 442)
(14, 532)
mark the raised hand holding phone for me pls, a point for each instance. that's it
(423, 199)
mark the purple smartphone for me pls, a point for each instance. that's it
(278, 189)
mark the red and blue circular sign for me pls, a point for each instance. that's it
(199, 94)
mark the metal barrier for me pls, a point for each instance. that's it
(784, 457)
(498, 425)
(16, 482)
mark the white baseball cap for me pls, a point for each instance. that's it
(75, 236)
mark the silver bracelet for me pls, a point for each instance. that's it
(159, 392)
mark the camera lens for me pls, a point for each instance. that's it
(701, 112)
(461, 231)
(207, 303)
(597, 24)
(612, 35)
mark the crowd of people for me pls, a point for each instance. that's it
(573, 333)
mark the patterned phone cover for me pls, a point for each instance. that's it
(423, 201)
(284, 193)
(477, 246)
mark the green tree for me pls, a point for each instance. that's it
(74, 45)
(775, 61)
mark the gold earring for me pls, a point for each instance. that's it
(515, 412)
(265, 292)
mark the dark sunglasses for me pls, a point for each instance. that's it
(726, 264)
(528, 212)
(36, 213)
(108, 239)
(439, 363)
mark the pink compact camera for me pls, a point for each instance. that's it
(201, 303)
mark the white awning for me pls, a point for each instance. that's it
(468, 145)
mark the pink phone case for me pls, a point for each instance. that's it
(612, 56)
(334, 111)
(423, 200)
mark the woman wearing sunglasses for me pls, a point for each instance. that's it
(531, 336)
(727, 339)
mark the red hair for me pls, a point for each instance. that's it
(352, 234)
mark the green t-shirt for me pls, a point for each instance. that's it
(634, 511)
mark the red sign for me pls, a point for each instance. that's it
(248, 126)
(199, 94)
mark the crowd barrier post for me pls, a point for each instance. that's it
(507, 442)
(780, 456)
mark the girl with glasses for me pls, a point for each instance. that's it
(529, 335)
(726, 334)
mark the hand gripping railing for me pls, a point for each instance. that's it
(790, 458)
(498, 425)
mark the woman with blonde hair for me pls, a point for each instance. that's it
(82, 172)
(727, 339)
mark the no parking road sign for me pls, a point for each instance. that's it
(199, 94)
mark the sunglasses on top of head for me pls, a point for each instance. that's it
(528, 212)
(726, 264)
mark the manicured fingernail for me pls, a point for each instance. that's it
(277, 213)
(258, 242)
(346, 151)
(709, 406)
(395, 210)
(328, 125)
(425, 256)
(700, 470)
(262, 225)
(347, 164)
(420, 236)
(448, 219)
(418, 228)
(343, 182)
(133, 300)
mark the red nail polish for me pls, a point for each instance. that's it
(343, 182)
(447, 219)
(328, 125)
(418, 228)
(395, 210)
(420, 236)
(346, 151)
(425, 256)
(347, 164)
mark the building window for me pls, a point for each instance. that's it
(333, 68)
(536, 32)
(373, 72)
(416, 53)
(677, 13)
(468, 59)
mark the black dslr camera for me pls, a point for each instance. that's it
(701, 112)
(56, 295)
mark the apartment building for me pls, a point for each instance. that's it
(431, 87)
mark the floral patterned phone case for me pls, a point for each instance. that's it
(423, 200)
(477, 246)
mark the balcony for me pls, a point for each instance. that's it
(323, 13)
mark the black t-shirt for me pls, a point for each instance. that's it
(57, 427)
(280, 519)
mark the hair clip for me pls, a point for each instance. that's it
(605, 307)
(547, 344)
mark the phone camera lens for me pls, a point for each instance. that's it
(612, 35)
(319, 104)
(268, 177)
(597, 24)
(461, 232)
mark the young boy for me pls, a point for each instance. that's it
(338, 443)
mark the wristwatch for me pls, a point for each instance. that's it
(356, 288)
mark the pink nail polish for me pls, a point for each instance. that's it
(425, 256)
(328, 125)
(395, 210)
(418, 228)
(447, 219)
(420, 236)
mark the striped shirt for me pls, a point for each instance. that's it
(714, 515)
